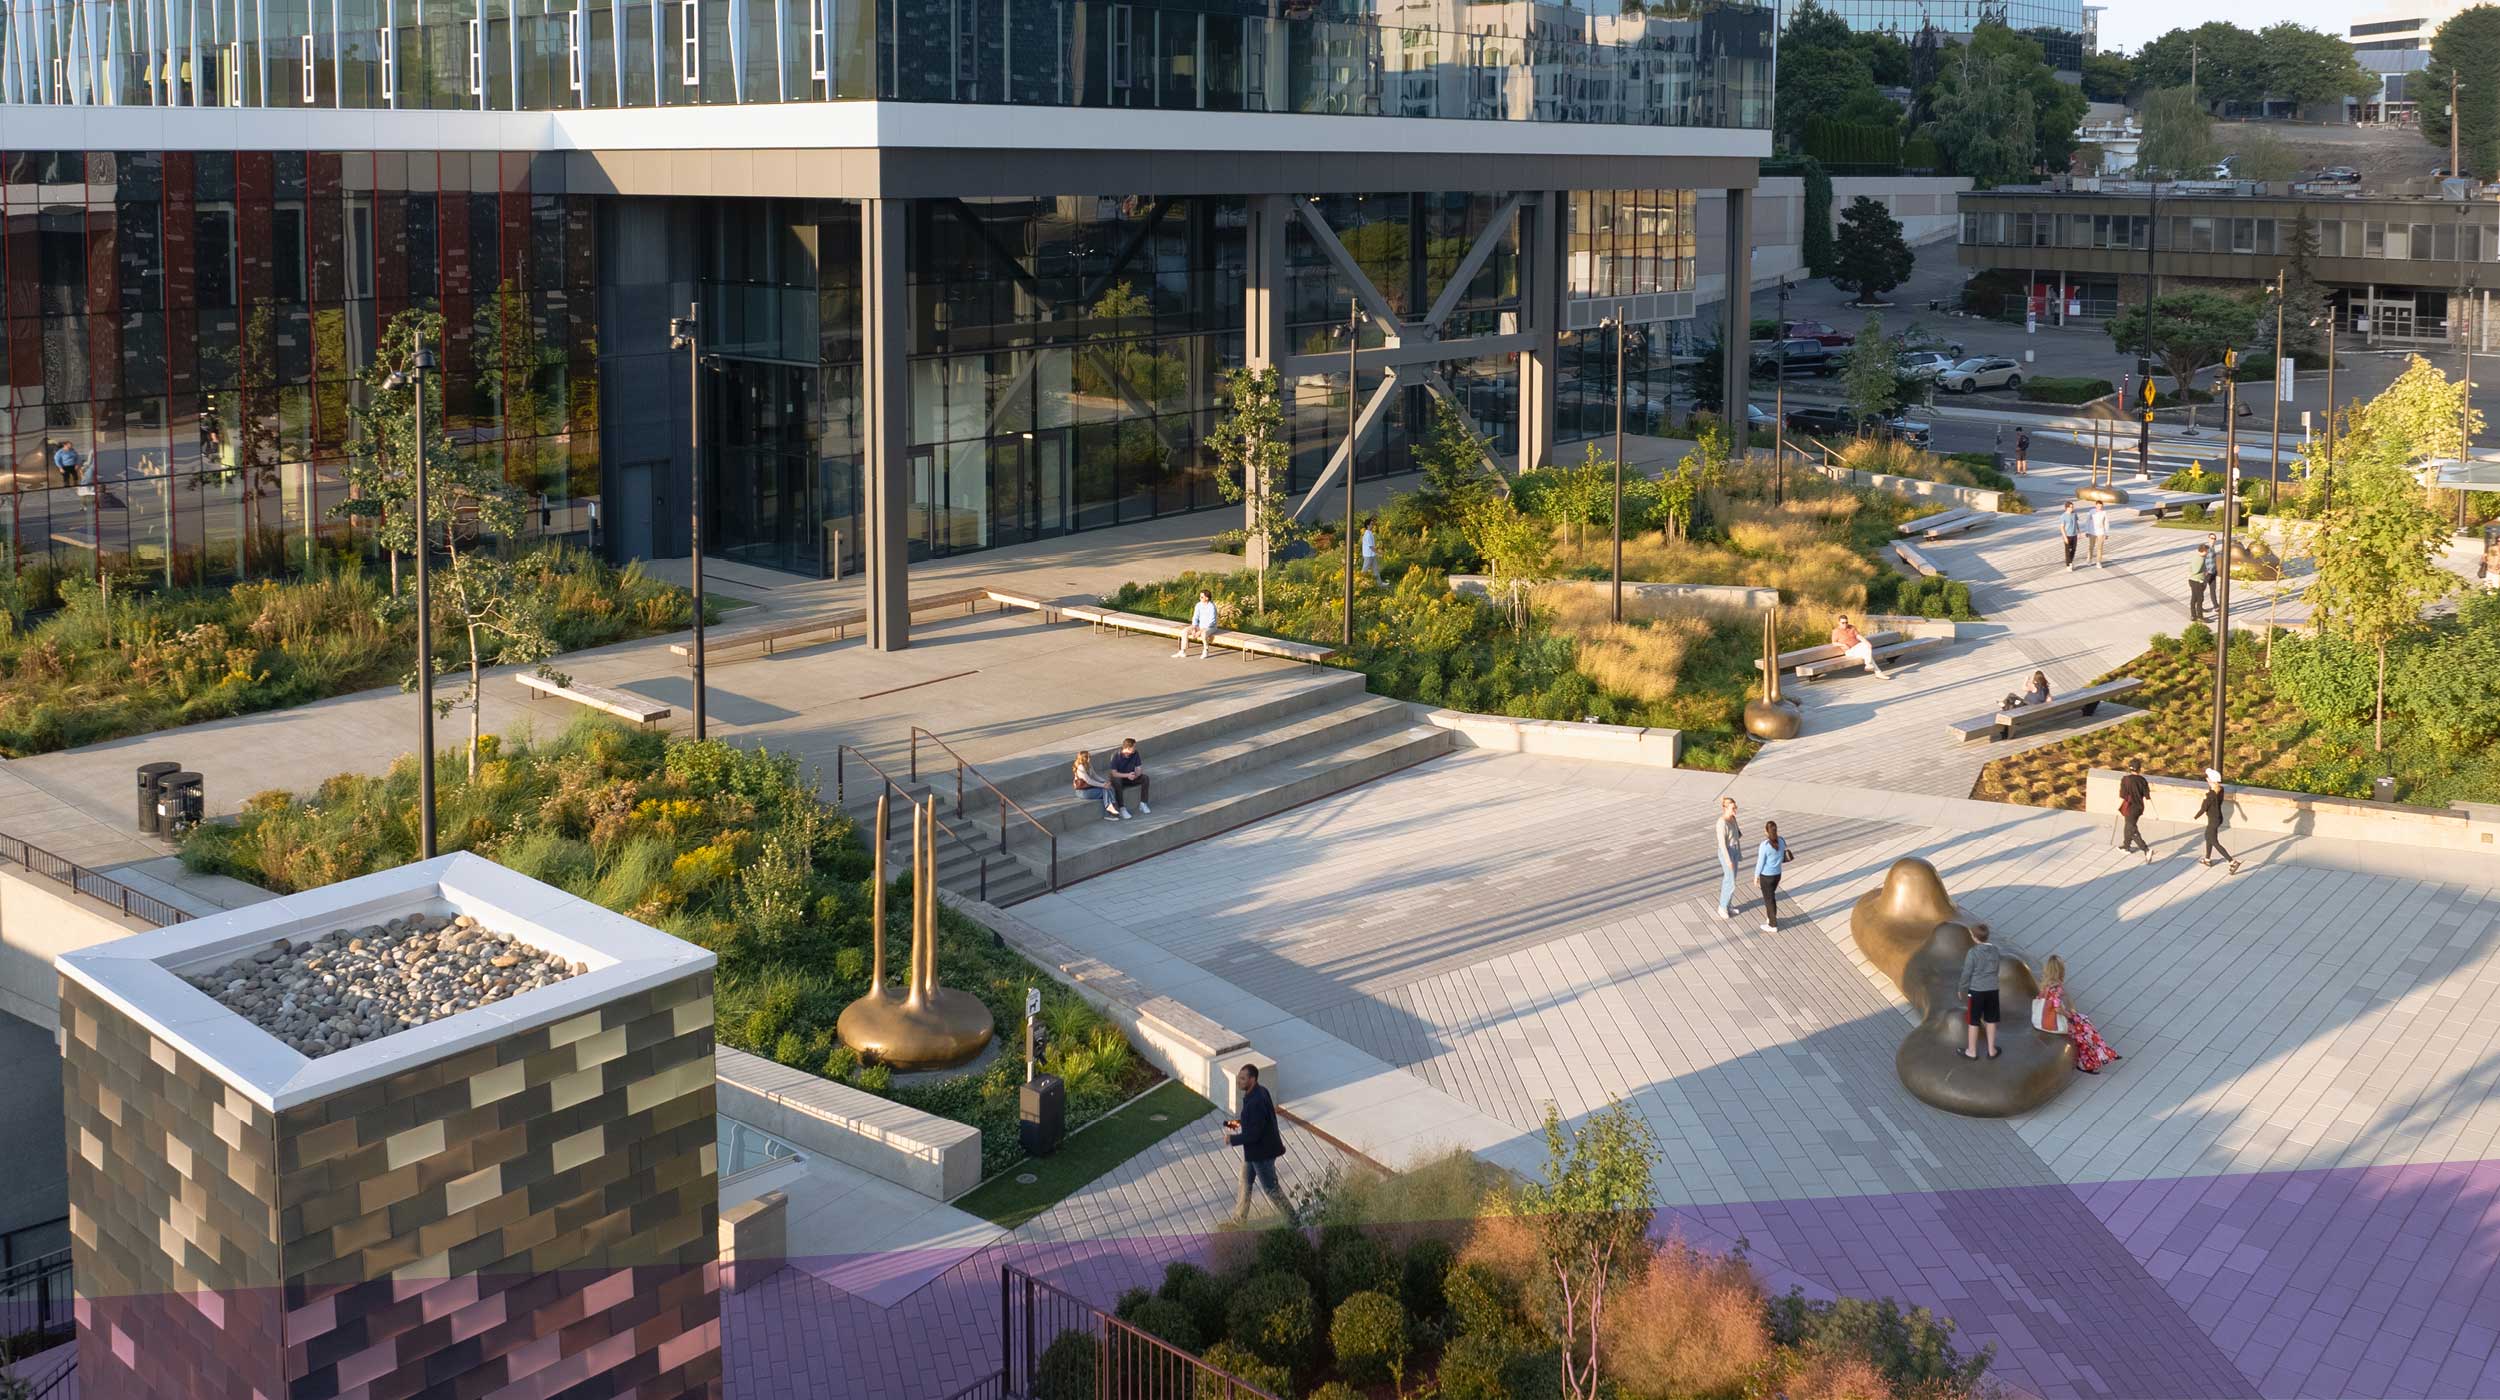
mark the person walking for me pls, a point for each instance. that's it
(1768, 862)
(2198, 577)
(2211, 810)
(2022, 452)
(1254, 1132)
(65, 461)
(2133, 794)
(1371, 553)
(2070, 529)
(1731, 841)
(1202, 620)
(1979, 992)
(2097, 526)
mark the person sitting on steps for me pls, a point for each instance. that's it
(1128, 770)
(1092, 787)
(1856, 647)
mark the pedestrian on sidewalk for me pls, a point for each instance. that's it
(2200, 573)
(2211, 811)
(1979, 992)
(2133, 794)
(2097, 526)
(2022, 452)
(2213, 566)
(1371, 553)
(2070, 529)
(1731, 839)
(1128, 770)
(1768, 862)
(1202, 620)
(1254, 1132)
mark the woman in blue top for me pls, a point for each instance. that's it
(1767, 864)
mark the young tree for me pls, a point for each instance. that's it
(2304, 301)
(1870, 377)
(2190, 332)
(1579, 493)
(1591, 1215)
(2376, 548)
(1250, 442)
(2468, 48)
(2259, 154)
(381, 464)
(2178, 136)
(1873, 257)
(1452, 458)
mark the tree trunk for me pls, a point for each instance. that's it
(394, 555)
(2378, 705)
(477, 700)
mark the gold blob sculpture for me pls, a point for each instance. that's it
(1914, 933)
(2254, 559)
(1771, 718)
(2105, 495)
(929, 1026)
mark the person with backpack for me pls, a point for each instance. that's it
(2211, 810)
(2133, 794)
(1768, 862)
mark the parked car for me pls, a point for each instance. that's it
(1982, 372)
(1842, 419)
(1794, 356)
(2339, 175)
(1924, 364)
(1823, 331)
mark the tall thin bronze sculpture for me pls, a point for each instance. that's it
(1772, 717)
(929, 1026)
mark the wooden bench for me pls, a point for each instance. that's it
(1791, 660)
(2160, 510)
(1884, 654)
(622, 704)
(1247, 643)
(768, 639)
(2004, 724)
(1916, 560)
(1050, 609)
(1926, 523)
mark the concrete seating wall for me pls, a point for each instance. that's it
(937, 1157)
(2303, 814)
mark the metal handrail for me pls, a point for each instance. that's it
(35, 1297)
(1005, 803)
(144, 907)
(1127, 1359)
(896, 785)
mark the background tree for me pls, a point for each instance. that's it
(2190, 332)
(1870, 257)
(2259, 154)
(2051, 109)
(1870, 377)
(2301, 65)
(1825, 72)
(381, 463)
(490, 603)
(2375, 549)
(2226, 66)
(2304, 301)
(1982, 123)
(2468, 46)
(1250, 442)
(2108, 77)
(1590, 1215)
(2178, 136)
(1819, 254)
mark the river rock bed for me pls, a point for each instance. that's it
(354, 985)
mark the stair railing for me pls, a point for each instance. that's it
(1006, 804)
(845, 755)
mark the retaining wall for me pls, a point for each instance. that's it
(2468, 828)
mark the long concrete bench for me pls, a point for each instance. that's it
(1884, 655)
(937, 1157)
(2161, 510)
(1051, 609)
(724, 646)
(1247, 643)
(622, 704)
(1916, 560)
(1954, 527)
(2005, 724)
(1926, 523)
(1791, 660)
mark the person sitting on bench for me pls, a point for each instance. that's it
(2037, 695)
(1202, 618)
(1855, 647)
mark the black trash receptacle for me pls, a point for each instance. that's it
(1042, 1114)
(150, 774)
(182, 800)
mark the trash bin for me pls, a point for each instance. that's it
(150, 774)
(182, 800)
(2382, 789)
(1041, 1114)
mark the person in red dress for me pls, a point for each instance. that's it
(2051, 1012)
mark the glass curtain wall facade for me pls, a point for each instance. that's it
(2057, 25)
(1513, 60)
(186, 331)
(1622, 244)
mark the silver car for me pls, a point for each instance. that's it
(1982, 372)
(1923, 364)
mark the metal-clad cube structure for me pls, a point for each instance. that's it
(517, 1200)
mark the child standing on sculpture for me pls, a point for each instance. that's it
(1979, 991)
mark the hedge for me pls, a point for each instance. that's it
(2070, 390)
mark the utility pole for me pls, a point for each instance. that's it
(1619, 462)
(2194, 51)
(2274, 453)
(1353, 413)
(685, 333)
(2453, 170)
(2222, 571)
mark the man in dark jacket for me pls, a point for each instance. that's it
(1254, 1132)
(2133, 793)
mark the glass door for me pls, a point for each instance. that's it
(1050, 482)
(1010, 490)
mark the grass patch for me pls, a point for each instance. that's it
(1085, 1157)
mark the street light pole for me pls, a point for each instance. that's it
(1353, 412)
(685, 333)
(2326, 477)
(2274, 452)
(2144, 357)
(1619, 462)
(414, 377)
(2222, 573)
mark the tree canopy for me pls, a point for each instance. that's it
(1870, 256)
(2000, 112)
(2190, 331)
(2178, 135)
(2232, 66)
(1827, 72)
(2468, 47)
(2108, 77)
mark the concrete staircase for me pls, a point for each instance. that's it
(1213, 767)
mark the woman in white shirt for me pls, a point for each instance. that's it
(1201, 625)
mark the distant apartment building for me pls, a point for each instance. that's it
(2394, 42)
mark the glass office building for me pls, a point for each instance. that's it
(2057, 24)
(968, 274)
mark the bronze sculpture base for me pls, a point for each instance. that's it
(2255, 559)
(2105, 495)
(1770, 720)
(1911, 930)
(947, 1029)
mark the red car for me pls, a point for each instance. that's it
(1823, 331)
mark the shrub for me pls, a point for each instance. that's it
(1197, 1290)
(1912, 1349)
(1352, 1262)
(2327, 676)
(2066, 390)
(1271, 1316)
(1368, 1333)
(1162, 1318)
(1480, 1301)
(1243, 1365)
(1420, 1284)
(1283, 1249)
(2196, 639)
(1688, 1328)
(1336, 1390)
(1066, 1370)
(2192, 479)
(1471, 1366)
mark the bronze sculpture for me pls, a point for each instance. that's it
(1912, 931)
(2256, 559)
(1771, 717)
(929, 1026)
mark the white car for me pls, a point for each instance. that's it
(1924, 364)
(1983, 372)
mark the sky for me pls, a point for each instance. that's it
(2127, 24)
